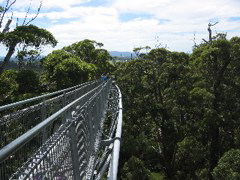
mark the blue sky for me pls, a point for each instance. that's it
(125, 24)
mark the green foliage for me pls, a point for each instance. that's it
(8, 86)
(26, 57)
(138, 51)
(29, 35)
(72, 71)
(189, 157)
(157, 176)
(158, 86)
(66, 69)
(135, 169)
(53, 59)
(18, 85)
(228, 166)
(87, 51)
(182, 109)
(77, 63)
(28, 81)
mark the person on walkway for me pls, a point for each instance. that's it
(104, 77)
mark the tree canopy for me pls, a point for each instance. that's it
(182, 110)
(24, 36)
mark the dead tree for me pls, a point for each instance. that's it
(210, 33)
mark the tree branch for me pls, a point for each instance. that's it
(28, 10)
(205, 41)
(7, 7)
(36, 15)
(6, 28)
(210, 31)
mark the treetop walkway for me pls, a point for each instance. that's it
(73, 133)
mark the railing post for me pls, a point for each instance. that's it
(43, 117)
(64, 104)
(74, 152)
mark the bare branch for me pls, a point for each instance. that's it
(17, 22)
(39, 8)
(210, 31)
(6, 28)
(12, 16)
(214, 24)
(7, 25)
(7, 7)
(194, 40)
(205, 41)
(11, 4)
(28, 10)
(3, 14)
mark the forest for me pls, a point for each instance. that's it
(181, 113)
(181, 110)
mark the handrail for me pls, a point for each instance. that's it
(68, 142)
(8, 106)
(26, 137)
(113, 170)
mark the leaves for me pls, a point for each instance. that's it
(66, 69)
(29, 35)
(72, 71)
(228, 166)
(189, 103)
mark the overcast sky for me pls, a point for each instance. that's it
(124, 24)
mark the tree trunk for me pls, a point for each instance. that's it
(214, 125)
(214, 148)
(7, 58)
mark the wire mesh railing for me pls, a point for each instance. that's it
(76, 149)
(18, 122)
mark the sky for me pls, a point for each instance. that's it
(122, 25)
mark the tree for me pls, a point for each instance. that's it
(72, 71)
(134, 169)
(159, 85)
(228, 166)
(30, 35)
(52, 60)
(25, 34)
(216, 65)
(8, 86)
(183, 109)
(28, 81)
(17, 85)
(88, 51)
(85, 50)
(25, 57)
(210, 33)
(138, 50)
(189, 157)
(66, 69)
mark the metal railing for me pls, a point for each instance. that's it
(76, 148)
(22, 118)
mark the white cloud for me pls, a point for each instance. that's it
(104, 23)
(180, 9)
(49, 3)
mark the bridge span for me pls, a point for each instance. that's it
(73, 133)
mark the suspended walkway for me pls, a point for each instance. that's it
(73, 133)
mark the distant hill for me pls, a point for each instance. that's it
(14, 59)
(121, 54)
